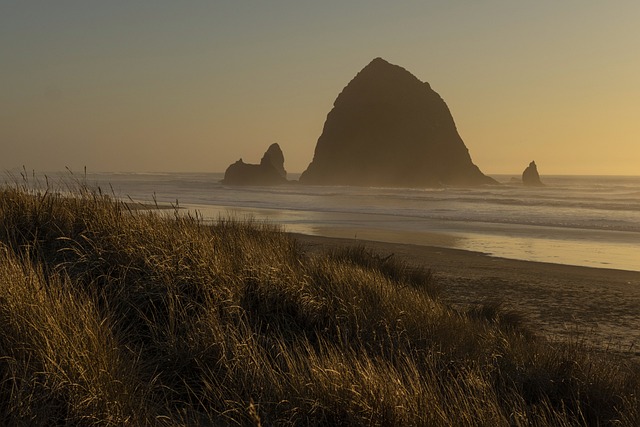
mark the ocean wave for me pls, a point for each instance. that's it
(597, 203)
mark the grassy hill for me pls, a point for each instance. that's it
(117, 316)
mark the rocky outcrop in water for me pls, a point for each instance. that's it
(530, 176)
(274, 157)
(270, 171)
(387, 128)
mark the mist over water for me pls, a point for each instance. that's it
(578, 220)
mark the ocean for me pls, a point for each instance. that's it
(589, 221)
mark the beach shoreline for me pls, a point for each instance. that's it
(611, 249)
(597, 306)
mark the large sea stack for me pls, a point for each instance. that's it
(387, 128)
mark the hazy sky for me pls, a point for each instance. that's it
(195, 85)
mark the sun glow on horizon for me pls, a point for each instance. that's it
(166, 87)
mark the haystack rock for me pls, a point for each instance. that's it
(387, 128)
(270, 171)
(530, 176)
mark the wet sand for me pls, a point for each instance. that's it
(596, 305)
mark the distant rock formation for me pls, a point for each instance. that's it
(387, 128)
(274, 157)
(531, 177)
(270, 171)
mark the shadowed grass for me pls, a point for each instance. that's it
(114, 316)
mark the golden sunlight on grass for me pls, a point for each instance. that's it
(114, 316)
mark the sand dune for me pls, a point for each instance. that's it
(599, 306)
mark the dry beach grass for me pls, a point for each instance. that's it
(114, 316)
(597, 305)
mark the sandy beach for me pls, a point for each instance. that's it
(593, 305)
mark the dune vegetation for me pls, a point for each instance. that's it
(119, 316)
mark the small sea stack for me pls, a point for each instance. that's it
(530, 176)
(270, 171)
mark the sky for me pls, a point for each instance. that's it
(192, 86)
